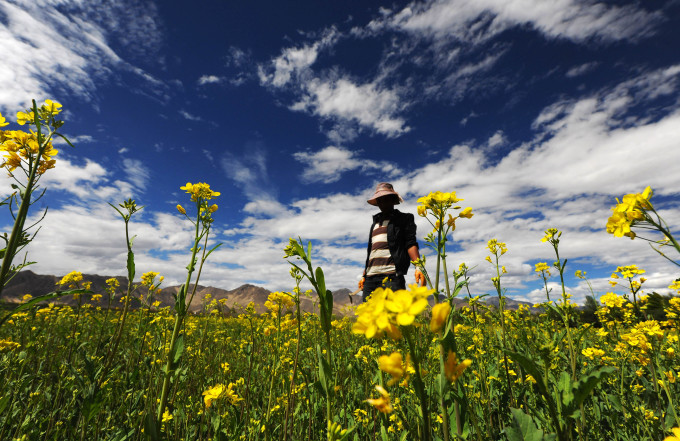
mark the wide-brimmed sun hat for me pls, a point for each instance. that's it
(384, 189)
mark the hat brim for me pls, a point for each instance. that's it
(381, 193)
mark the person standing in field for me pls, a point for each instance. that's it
(392, 244)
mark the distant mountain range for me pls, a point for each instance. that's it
(27, 282)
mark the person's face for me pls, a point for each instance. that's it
(385, 203)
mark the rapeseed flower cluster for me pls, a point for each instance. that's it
(149, 279)
(8, 345)
(278, 301)
(71, 279)
(199, 191)
(25, 150)
(22, 148)
(438, 204)
(385, 310)
(628, 212)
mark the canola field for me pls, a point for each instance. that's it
(397, 367)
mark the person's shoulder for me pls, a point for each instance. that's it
(403, 216)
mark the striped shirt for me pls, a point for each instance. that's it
(380, 261)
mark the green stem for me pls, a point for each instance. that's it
(436, 279)
(178, 324)
(446, 273)
(420, 388)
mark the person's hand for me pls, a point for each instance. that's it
(420, 277)
(361, 282)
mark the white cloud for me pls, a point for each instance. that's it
(328, 164)
(350, 105)
(249, 172)
(497, 139)
(209, 79)
(190, 117)
(294, 62)
(369, 105)
(69, 54)
(581, 69)
(477, 21)
(137, 173)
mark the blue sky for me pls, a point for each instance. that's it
(537, 113)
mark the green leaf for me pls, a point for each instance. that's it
(91, 407)
(458, 287)
(178, 349)
(532, 369)
(564, 385)
(524, 429)
(150, 427)
(4, 401)
(584, 386)
(383, 434)
(180, 300)
(325, 301)
(131, 266)
(64, 138)
(211, 250)
(324, 371)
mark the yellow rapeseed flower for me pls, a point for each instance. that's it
(200, 190)
(467, 213)
(212, 394)
(611, 300)
(3, 122)
(495, 246)
(71, 279)
(629, 271)
(8, 345)
(542, 266)
(440, 312)
(52, 107)
(407, 304)
(675, 436)
(382, 403)
(278, 301)
(452, 369)
(167, 416)
(23, 118)
(591, 353)
(181, 209)
(392, 364)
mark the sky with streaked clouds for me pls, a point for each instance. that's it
(537, 113)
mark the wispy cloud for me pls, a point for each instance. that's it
(210, 79)
(138, 174)
(481, 20)
(249, 172)
(350, 105)
(71, 52)
(190, 117)
(581, 69)
(328, 164)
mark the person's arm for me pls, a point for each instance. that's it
(414, 254)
